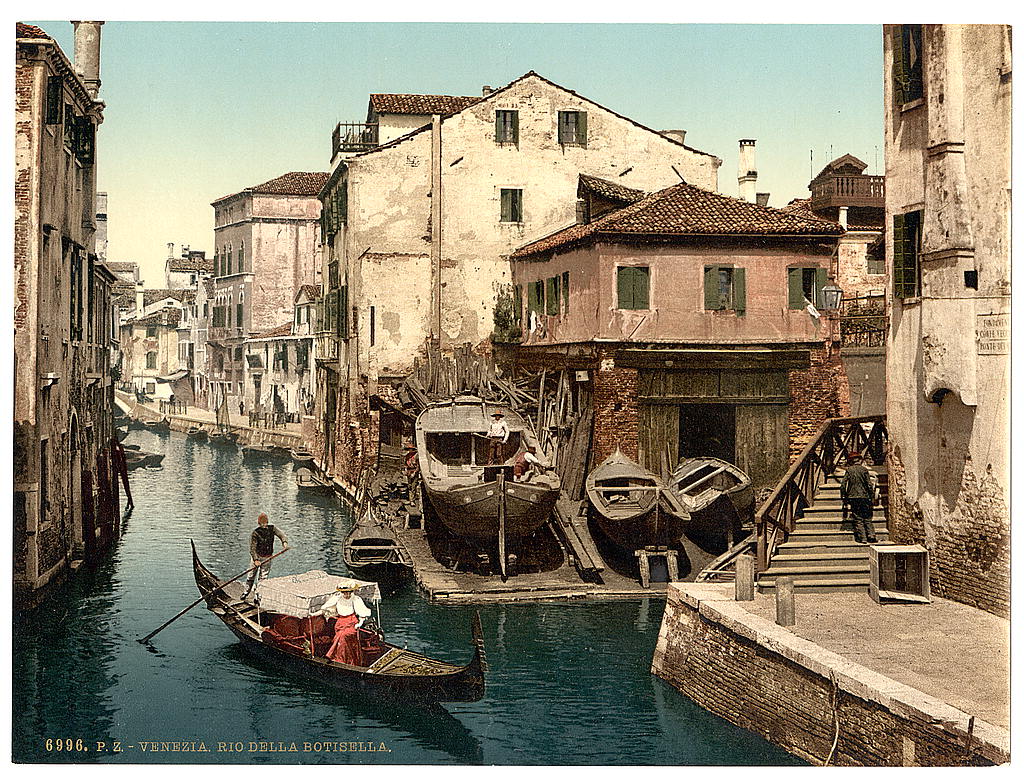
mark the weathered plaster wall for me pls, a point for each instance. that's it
(948, 356)
(852, 265)
(677, 310)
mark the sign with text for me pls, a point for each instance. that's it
(993, 334)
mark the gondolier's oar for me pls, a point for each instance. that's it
(204, 597)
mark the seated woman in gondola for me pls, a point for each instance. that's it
(349, 612)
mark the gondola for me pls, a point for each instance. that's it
(197, 433)
(224, 438)
(714, 491)
(134, 459)
(452, 451)
(632, 506)
(301, 458)
(284, 631)
(311, 483)
(259, 452)
(372, 550)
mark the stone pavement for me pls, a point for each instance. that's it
(950, 651)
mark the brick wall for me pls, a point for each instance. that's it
(821, 392)
(797, 708)
(616, 410)
(969, 551)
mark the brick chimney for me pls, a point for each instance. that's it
(486, 91)
(87, 54)
(140, 298)
(747, 171)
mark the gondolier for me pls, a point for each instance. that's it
(261, 548)
(349, 613)
(497, 435)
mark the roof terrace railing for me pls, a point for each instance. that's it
(354, 137)
(853, 190)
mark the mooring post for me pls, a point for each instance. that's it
(501, 523)
(785, 601)
(745, 577)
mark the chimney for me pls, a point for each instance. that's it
(679, 135)
(487, 91)
(140, 298)
(87, 54)
(843, 215)
(762, 199)
(747, 171)
(170, 249)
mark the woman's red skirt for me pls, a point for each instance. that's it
(345, 647)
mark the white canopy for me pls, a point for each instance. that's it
(301, 595)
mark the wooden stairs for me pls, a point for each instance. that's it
(821, 554)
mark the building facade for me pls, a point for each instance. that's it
(64, 496)
(266, 246)
(947, 151)
(417, 231)
(185, 272)
(149, 344)
(686, 315)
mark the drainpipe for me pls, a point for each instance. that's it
(435, 224)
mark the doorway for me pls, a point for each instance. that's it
(707, 429)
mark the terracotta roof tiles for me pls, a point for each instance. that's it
(190, 264)
(278, 332)
(294, 184)
(686, 210)
(420, 104)
(609, 190)
(29, 31)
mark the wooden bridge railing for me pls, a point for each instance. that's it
(775, 519)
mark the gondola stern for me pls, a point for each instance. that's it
(480, 655)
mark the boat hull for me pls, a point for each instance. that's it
(471, 511)
(641, 530)
(465, 684)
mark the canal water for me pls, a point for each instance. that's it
(569, 683)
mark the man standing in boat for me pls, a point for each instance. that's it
(497, 435)
(261, 548)
(349, 613)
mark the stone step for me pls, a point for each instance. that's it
(841, 545)
(805, 585)
(832, 512)
(844, 536)
(856, 571)
(821, 558)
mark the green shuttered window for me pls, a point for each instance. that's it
(565, 291)
(506, 126)
(805, 286)
(511, 205)
(907, 63)
(572, 127)
(906, 251)
(725, 287)
(554, 298)
(633, 285)
(535, 297)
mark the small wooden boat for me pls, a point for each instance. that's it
(452, 454)
(134, 459)
(285, 631)
(197, 433)
(221, 437)
(719, 497)
(372, 550)
(632, 506)
(311, 483)
(261, 452)
(301, 458)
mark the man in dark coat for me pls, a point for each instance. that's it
(858, 492)
(261, 548)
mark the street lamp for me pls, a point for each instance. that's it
(831, 296)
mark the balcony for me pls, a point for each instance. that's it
(327, 348)
(854, 190)
(354, 138)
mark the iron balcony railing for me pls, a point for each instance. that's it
(354, 137)
(853, 190)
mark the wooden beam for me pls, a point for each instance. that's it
(688, 399)
(705, 359)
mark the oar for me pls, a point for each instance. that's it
(145, 639)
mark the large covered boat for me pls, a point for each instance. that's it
(282, 627)
(632, 506)
(453, 449)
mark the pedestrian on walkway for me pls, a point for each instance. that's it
(858, 493)
(261, 548)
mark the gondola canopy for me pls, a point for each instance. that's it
(302, 595)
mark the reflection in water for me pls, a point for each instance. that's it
(569, 683)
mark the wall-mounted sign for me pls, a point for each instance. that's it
(993, 334)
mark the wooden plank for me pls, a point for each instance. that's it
(705, 359)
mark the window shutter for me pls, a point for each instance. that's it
(84, 135)
(561, 128)
(343, 311)
(899, 72)
(625, 287)
(739, 289)
(712, 299)
(796, 288)
(515, 126)
(642, 288)
(554, 300)
(820, 280)
(899, 241)
(517, 302)
(565, 291)
(581, 128)
(506, 205)
(54, 98)
(498, 137)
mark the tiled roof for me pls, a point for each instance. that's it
(190, 264)
(277, 332)
(312, 291)
(121, 265)
(173, 317)
(609, 190)
(183, 295)
(802, 208)
(29, 31)
(686, 210)
(420, 104)
(294, 184)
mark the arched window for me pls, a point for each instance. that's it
(150, 360)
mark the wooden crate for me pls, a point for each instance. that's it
(899, 573)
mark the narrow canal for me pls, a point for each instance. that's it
(569, 683)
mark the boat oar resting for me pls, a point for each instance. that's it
(285, 628)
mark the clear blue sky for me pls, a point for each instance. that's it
(196, 111)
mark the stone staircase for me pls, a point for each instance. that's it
(821, 554)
